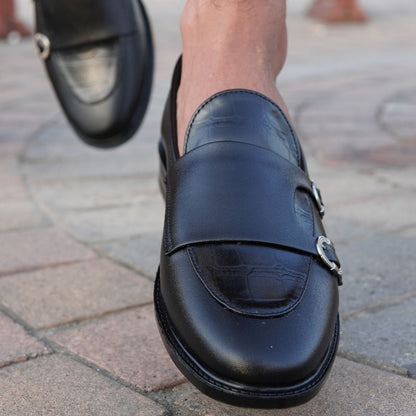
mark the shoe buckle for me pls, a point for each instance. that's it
(321, 245)
(318, 198)
(43, 45)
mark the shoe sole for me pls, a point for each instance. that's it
(233, 392)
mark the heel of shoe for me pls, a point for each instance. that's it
(162, 169)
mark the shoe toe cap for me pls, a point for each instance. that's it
(274, 347)
(99, 86)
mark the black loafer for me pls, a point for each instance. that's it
(99, 58)
(247, 292)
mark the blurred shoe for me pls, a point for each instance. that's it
(99, 58)
(246, 296)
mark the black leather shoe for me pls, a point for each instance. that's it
(247, 292)
(99, 58)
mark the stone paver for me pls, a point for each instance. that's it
(371, 265)
(57, 385)
(141, 253)
(15, 344)
(397, 114)
(387, 336)
(30, 249)
(12, 187)
(20, 214)
(102, 165)
(340, 186)
(399, 178)
(383, 211)
(116, 223)
(351, 389)
(94, 194)
(127, 345)
(11, 184)
(59, 295)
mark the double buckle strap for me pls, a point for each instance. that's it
(324, 244)
(318, 198)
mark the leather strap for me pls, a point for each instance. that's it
(75, 22)
(229, 192)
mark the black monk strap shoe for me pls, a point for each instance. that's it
(247, 291)
(99, 58)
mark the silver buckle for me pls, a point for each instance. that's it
(321, 245)
(43, 45)
(318, 198)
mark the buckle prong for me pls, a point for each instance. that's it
(43, 45)
(318, 198)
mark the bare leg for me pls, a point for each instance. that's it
(230, 44)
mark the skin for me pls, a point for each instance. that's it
(230, 44)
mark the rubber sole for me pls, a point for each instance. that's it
(233, 392)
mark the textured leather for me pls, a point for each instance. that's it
(100, 65)
(78, 22)
(247, 309)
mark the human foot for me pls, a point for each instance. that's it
(229, 44)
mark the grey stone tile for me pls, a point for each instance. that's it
(20, 214)
(11, 143)
(58, 141)
(400, 178)
(387, 212)
(408, 232)
(142, 252)
(116, 223)
(397, 114)
(12, 188)
(352, 389)
(60, 295)
(387, 336)
(11, 184)
(58, 385)
(346, 185)
(342, 231)
(375, 269)
(101, 165)
(97, 193)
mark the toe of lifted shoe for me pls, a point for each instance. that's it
(101, 70)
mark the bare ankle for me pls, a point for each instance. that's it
(229, 44)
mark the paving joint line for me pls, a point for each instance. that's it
(46, 331)
(25, 270)
(379, 306)
(59, 349)
(25, 358)
(378, 365)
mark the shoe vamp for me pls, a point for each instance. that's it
(90, 71)
(256, 279)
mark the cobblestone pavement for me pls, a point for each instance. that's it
(80, 231)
